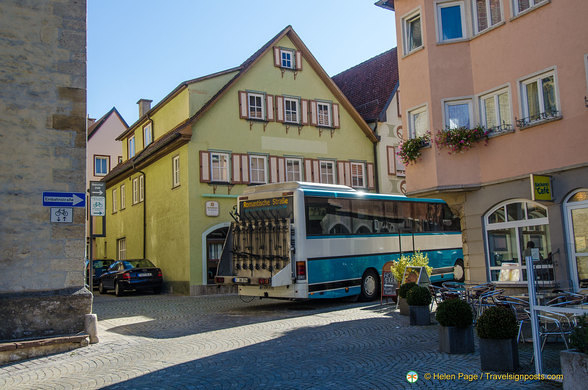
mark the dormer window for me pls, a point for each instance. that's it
(132, 147)
(286, 58)
(147, 134)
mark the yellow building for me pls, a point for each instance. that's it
(278, 117)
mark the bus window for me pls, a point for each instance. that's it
(398, 217)
(328, 216)
(368, 216)
(450, 221)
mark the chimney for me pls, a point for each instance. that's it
(144, 106)
(91, 121)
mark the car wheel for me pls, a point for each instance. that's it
(370, 285)
(118, 291)
(101, 288)
(458, 271)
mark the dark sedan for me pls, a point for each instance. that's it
(100, 266)
(131, 275)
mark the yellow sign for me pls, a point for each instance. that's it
(541, 188)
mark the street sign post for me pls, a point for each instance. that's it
(64, 199)
(97, 188)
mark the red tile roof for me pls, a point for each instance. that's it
(371, 85)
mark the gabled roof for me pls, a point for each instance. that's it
(96, 125)
(388, 4)
(371, 85)
(241, 71)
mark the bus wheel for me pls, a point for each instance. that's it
(458, 271)
(370, 285)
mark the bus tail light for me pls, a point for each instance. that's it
(264, 281)
(219, 280)
(300, 270)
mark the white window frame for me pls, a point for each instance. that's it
(217, 173)
(175, 171)
(447, 4)
(254, 172)
(411, 120)
(324, 174)
(292, 58)
(135, 190)
(261, 98)
(147, 135)
(458, 102)
(358, 181)
(132, 148)
(532, 4)
(524, 100)
(114, 202)
(329, 114)
(141, 188)
(123, 197)
(406, 31)
(488, 16)
(107, 165)
(121, 248)
(291, 112)
(502, 127)
(291, 173)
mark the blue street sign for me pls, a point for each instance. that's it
(64, 199)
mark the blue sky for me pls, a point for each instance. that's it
(145, 48)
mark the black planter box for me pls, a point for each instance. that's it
(499, 354)
(419, 315)
(456, 340)
(402, 306)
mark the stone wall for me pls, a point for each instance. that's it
(42, 148)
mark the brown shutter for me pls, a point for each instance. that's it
(243, 108)
(313, 113)
(298, 60)
(348, 173)
(336, 120)
(308, 170)
(273, 169)
(371, 180)
(277, 59)
(316, 171)
(281, 169)
(304, 112)
(341, 172)
(245, 168)
(204, 167)
(236, 176)
(269, 100)
(279, 109)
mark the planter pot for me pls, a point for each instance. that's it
(456, 340)
(419, 315)
(402, 306)
(499, 354)
(574, 367)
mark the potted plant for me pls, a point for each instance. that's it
(497, 329)
(419, 299)
(402, 291)
(575, 361)
(410, 149)
(456, 331)
(460, 139)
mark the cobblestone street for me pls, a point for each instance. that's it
(221, 342)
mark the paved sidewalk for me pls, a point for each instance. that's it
(220, 342)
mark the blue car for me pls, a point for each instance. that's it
(131, 275)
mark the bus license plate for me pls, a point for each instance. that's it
(241, 280)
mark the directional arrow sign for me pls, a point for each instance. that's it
(97, 188)
(64, 199)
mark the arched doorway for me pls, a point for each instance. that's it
(512, 228)
(212, 243)
(576, 221)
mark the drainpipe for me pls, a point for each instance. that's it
(144, 207)
(376, 174)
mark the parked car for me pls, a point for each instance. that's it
(100, 266)
(131, 275)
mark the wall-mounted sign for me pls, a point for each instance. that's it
(61, 214)
(212, 208)
(97, 206)
(64, 199)
(541, 188)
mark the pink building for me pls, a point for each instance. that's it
(517, 70)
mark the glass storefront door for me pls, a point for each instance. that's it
(577, 229)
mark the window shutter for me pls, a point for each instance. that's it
(336, 120)
(277, 61)
(308, 170)
(236, 176)
(281, 169)
(391, 160)
(313, 113)
(269, 100)
(348, 173)
(400, 168)
(244, 169)
(243, 108)
(371, 182)
(316, 171)
(298, 60)
(204, 167)
(341, 172)
(304, 112)
(280, 108)
(273, 169)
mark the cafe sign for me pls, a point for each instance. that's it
(541, 188)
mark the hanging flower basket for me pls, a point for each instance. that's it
(460, 139)
(410, 149)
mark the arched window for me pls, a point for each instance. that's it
(576, 216)
(512, 229)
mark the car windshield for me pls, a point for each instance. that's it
(102, 263)
(143, 263)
